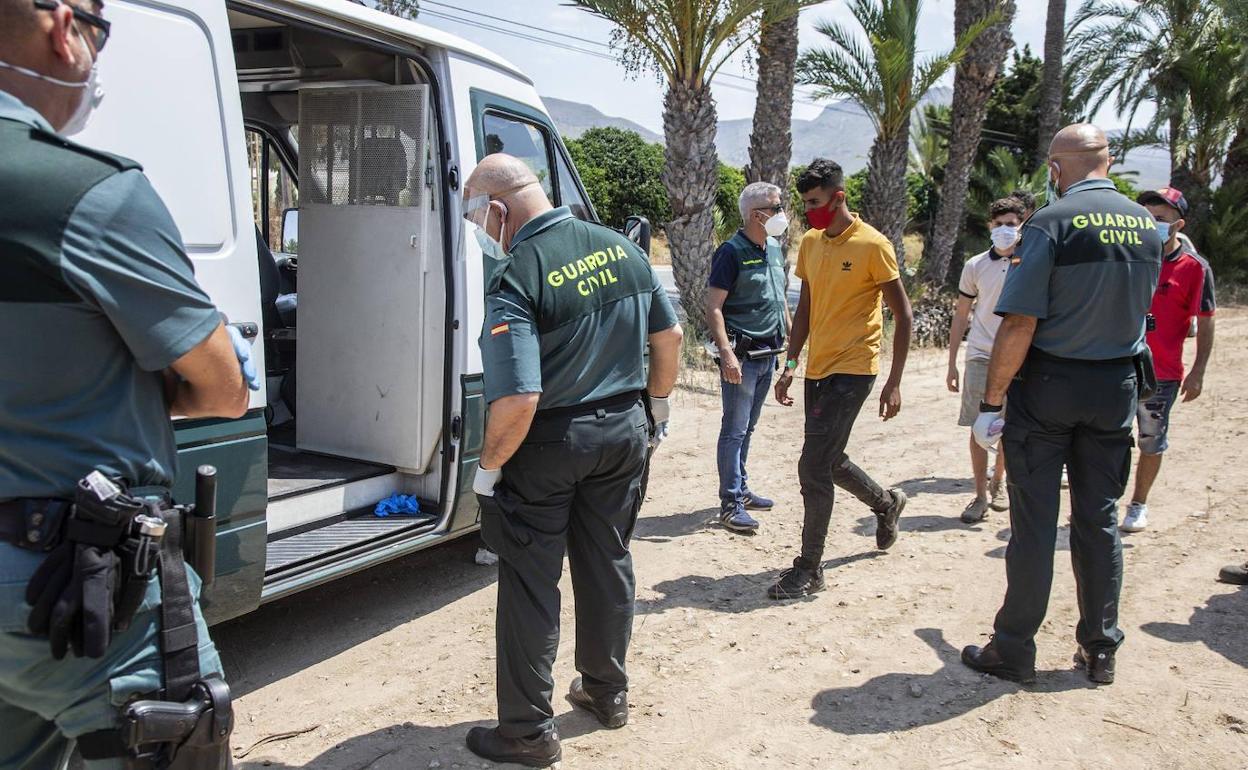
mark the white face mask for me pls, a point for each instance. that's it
(93, 87)
(1004, 236)
(777, 225)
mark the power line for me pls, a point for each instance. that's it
(574, 49)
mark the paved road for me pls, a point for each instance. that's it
(669, 282)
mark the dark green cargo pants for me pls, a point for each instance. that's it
(574, 486)
(1076, 414)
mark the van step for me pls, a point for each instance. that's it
(339, 536)
(295, 472)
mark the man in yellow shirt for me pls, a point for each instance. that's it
(846, 267)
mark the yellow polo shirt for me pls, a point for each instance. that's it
(844, 275)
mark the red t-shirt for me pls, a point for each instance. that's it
(1175, 302)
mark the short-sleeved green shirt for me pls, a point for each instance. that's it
(571, 314)
(1086, 269)
(97, 297)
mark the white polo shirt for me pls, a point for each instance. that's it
(983, 276)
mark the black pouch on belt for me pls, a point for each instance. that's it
(73, 593)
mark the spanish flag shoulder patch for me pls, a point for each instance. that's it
(500, 329)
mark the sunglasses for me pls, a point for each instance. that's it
(776, 209)
(98, 26)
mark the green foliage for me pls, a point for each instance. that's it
(1125, 183)
(622, 174)
(1013, 115)
(727, 194)
(407, 9)
(922, 194)
(855, 188)
(1223, 240)
(883, 77)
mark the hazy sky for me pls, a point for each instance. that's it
(605, 85)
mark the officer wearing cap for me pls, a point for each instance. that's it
(104, 334)
(1069, 352)
(571, 308)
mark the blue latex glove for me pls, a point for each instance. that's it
(242, 349)
(403, 505)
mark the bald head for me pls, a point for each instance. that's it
(1080, 151)
(515, 195)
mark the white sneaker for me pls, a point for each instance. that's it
(1136, 519)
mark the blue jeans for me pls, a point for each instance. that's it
(742, 405)
(45, 702)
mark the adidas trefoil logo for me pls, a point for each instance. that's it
(847, 266)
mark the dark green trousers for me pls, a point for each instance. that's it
(574, 486)
(1076, 414)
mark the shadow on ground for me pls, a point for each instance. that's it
(1063, 542)
(662, 529)
(903, 701)
(291, 634)
(731, 593)
(866, 525)
(402, 747)
(936, 485)
(1219, 625)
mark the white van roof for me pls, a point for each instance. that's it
(362, 16)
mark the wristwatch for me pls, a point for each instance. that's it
(984, 406)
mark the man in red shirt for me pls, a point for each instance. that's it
(1176, 301)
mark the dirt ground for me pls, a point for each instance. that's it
(389, 668)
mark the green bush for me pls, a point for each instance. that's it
(622, 174)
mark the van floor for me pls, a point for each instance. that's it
(293, 471)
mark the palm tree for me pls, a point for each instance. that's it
(1051, 88)
(972, 85)
(1134, 53)
(1235, 167)
(884, 80)
(771, 139)
(407, 9)
(687, 41)
(929, 143)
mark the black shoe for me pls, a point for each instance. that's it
(1100, 667)
(886, 521)
(541, 751)
(988, 660)
(1235, 574)
(612, 712)
(797, 581)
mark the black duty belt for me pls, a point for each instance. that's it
(625, 399)
(32, 523)
(1038, 354)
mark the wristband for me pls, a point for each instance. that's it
(790, 364)
(984, 406)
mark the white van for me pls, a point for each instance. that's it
(312, 153)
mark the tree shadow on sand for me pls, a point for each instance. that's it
(663, 529)
(903, 701)
(1219, 625)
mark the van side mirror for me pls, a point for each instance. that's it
(637, 230)
(290, 232)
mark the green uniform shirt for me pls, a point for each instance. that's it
(753, 276)
(1086, 269)
(97, 296)
(570, 314)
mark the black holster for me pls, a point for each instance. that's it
(1145, 374)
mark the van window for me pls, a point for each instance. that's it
(570, 192)
(273, 189)
(522, 139)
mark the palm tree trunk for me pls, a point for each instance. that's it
(972, 85)
(1235, 168)
(690, 173)
(884, 200)
(1051, 88)
(771, 140)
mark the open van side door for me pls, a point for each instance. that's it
(172, 104)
